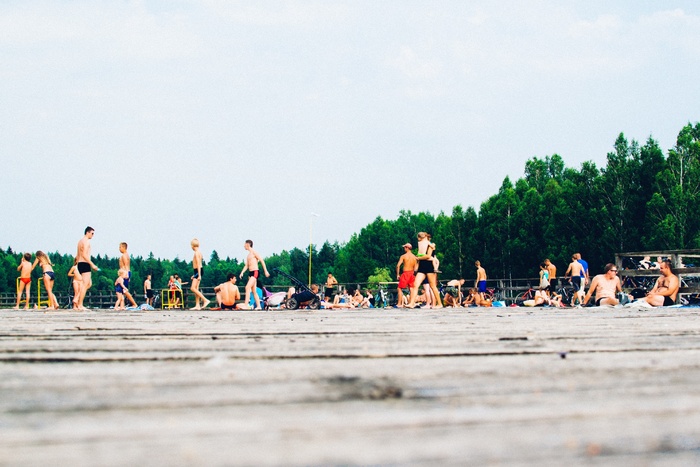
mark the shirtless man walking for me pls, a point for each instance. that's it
(125, 263)
(85, 265)
(665, 290)
(251, 265)
(574, 271)
(606, 286)
(585, 278)
(408, 277)
(227, 293)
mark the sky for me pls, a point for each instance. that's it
(156, 122)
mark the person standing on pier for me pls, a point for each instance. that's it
(125, 263)
(575, 271)
(120, 289)
(76, 282)
(251, 265)
(426, 269)
(552, 270)
(25, 279)
(480, 282)
(544, 278)
(148, 290)
(197, 273)
(85, 264)
(48, 276)
(331, 284)
(407, 277)
(585, 277)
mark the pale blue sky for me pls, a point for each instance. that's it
(158, 121)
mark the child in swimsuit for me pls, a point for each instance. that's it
(49, 277)
(77, 280)
(435, 260)
(25, 279)
(119, 289)
(175, 291)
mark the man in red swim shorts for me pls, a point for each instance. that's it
(251, 264)
(407, 278)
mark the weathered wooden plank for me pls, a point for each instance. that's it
(361, 387)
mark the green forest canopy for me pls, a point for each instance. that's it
(641, 200)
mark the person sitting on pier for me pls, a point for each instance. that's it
(541, 298)
(342, 300)
(475, 299)
(227, 293)
(556, 300)
(605, 286)
(358, 300)
(665, 290)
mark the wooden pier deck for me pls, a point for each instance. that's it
(508, 386)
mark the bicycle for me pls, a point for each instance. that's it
(566, 292)
(494, 294)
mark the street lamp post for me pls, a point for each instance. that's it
(311, 226)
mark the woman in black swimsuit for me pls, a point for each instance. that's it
(425, 269)
(49, 277)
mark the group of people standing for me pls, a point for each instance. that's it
(81, 275)
(420, 269)
(25, 269)
(414, 271)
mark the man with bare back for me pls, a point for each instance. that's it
(125, 263)
(197, 273)
(251, 265)
(227, 293)
(408, 276)
(85, 264)
(576, 272)
(480, 282)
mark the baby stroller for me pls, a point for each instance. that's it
(273, 299)
(302, 296)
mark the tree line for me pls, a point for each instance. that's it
(642, 199)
